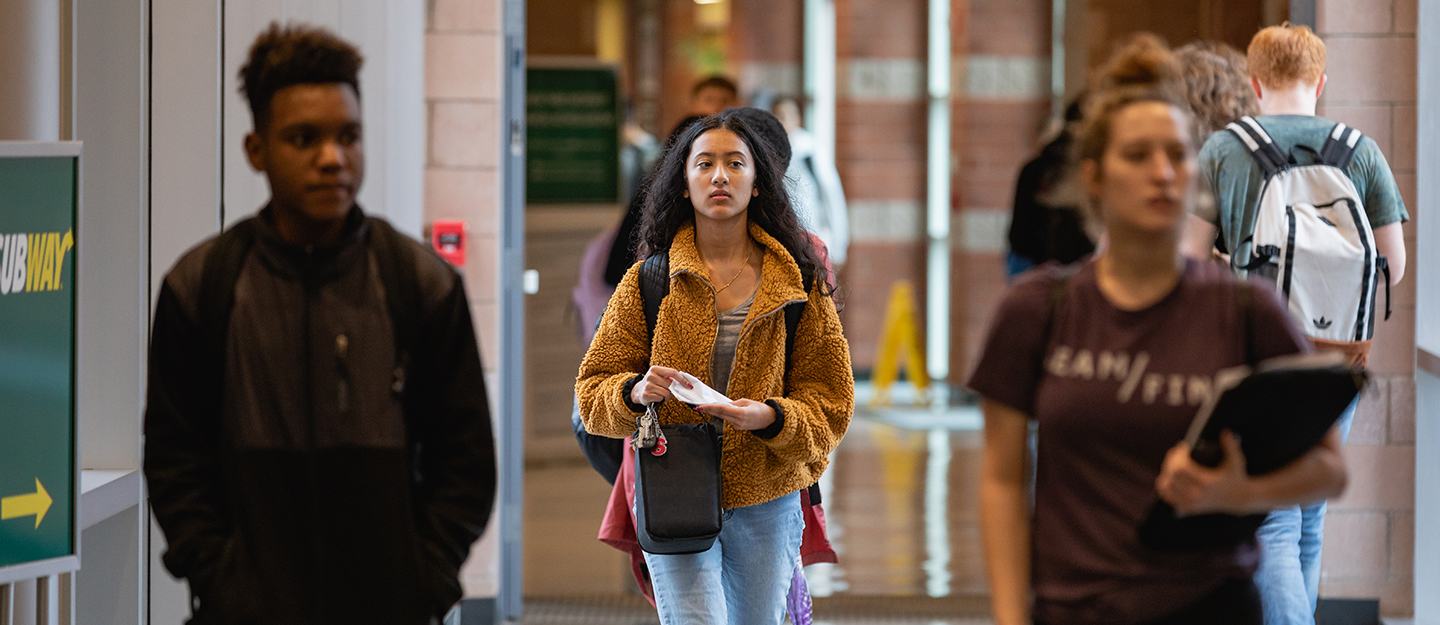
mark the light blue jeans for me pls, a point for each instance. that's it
(1289, 573)
(743, 578)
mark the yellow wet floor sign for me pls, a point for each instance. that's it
(899, 335)
(36, 504)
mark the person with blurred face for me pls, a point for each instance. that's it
(1286, 67)
(737, 258)
(1107, 357)
(712, 95)
(299, 364)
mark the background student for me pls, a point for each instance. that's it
(1287, 73)
(299, 363)
(1109, 361)
(737, 257)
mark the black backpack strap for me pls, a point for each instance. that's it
(1261, 147)
(793, 312)
(223, 263)
(1383, 263)
(1340, 146)
(654, 286)
(395, 262)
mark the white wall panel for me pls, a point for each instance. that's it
(390, 35)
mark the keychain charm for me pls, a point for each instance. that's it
(659, 449)
(647, 429)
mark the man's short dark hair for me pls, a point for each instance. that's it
(295, 55)
(716, 81)
(765, 124)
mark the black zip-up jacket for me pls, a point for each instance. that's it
(303, 500)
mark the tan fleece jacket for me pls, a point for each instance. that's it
(815, 405)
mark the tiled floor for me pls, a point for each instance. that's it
(900, 502)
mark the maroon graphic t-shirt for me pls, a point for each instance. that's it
(1112, 391)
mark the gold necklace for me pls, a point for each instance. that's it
(749, 250)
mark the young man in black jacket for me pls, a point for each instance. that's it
(317, 434)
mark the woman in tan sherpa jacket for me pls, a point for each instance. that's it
(737, 257)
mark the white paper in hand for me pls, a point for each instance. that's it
(700, 395)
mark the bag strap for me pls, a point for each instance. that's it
(224, 261)
(221, 271)
(1340, 146)
(395, 262)
(655, 285)
(1271, 160)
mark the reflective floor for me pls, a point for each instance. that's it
(858, 611)
(901, 501)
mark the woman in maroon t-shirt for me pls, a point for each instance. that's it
(1113, 370)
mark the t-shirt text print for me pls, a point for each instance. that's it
(1130, 375)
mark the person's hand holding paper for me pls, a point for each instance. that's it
(742, 414)
(696, 393)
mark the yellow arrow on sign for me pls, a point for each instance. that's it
(36, 503)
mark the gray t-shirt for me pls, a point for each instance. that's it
(1229, 172)
(728, 336)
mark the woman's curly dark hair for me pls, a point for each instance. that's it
(667, 209)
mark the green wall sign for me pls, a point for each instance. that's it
(572, 135)
(39, 185)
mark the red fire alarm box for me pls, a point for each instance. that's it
(448, 238)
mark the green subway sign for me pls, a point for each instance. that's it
(39, 200)
(572, 135)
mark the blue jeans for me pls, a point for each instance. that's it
(741, 580)
(1289, 573)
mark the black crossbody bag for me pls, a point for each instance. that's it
(677, 470)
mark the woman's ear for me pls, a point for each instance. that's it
(685, 194)
(755, 192)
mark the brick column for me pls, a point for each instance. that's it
(463, 82)
(1002, 104)
(1370, 532)
(880, 154)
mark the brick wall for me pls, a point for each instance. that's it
(1002, 104)
(463, 82)
(1370, 532)
(880, 144)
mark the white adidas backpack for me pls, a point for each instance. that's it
(1313, 239)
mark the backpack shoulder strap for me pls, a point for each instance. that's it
(654, 286)
(1340, 146)
(221, 271)
(395, 262)
(1271, 160)
(793, 312)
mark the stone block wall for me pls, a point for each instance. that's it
(1370, 532)
(463, 83)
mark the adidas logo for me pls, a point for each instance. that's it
(1322, 323)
